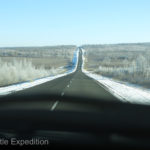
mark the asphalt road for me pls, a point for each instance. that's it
(75, 84)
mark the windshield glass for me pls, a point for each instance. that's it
(86, 49)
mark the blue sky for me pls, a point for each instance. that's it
(56, 22)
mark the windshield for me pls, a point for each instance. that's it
(75, 70)
(96, 49)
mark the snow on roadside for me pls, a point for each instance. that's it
(124, 91)
(21, 86)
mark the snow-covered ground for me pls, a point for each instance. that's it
(17, 87)
(124, 91)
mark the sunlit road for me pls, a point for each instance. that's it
(75, 84)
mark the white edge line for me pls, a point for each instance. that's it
(104, 86)
(121, 97)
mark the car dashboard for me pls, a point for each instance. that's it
(76, 122)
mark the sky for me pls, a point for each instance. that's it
(77, 22)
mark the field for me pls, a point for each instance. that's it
(19, 64)
(124, 62)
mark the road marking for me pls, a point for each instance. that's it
(54, 105)
(62, 94)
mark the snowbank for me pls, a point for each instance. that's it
(17, 87)
(124, 91)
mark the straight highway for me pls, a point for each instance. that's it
(75, 84)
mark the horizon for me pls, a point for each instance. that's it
(74, 45)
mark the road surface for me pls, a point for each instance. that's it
(75, 84)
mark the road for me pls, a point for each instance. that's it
(75, 84)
